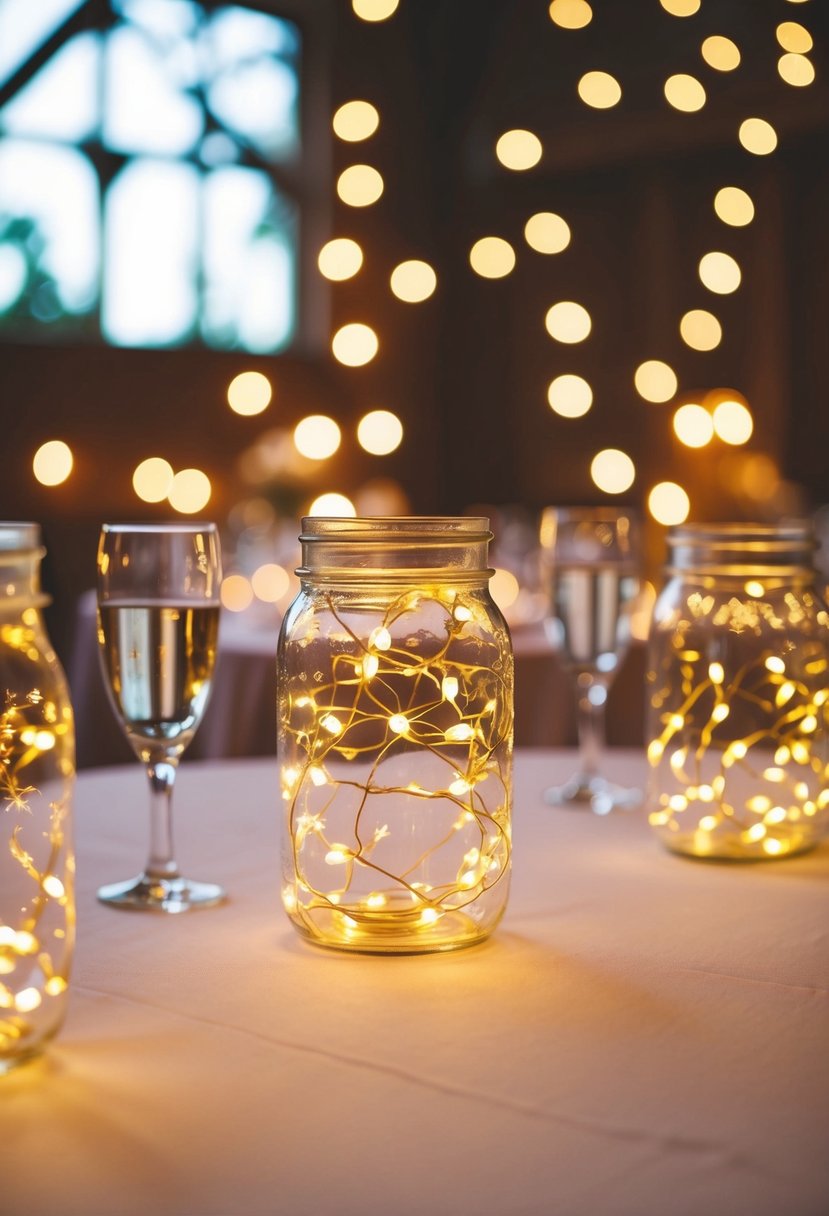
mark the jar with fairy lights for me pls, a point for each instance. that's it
(737, 690)
(395, 716)
(37, 769)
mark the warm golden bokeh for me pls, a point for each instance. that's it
(734, 206)
(796, 70)
(571, 14)
(317, 437)
(655, 381)
(413, 281)
(693, 426)
(570, 396)
(340, 259)
(332, 503)
(732, 422)
(518, 150)
(249, 393)
(153, 479)
(492, 257)
(190, 491)
(668, 503)
(700, 329)
(270, 582)
(720, 272)
(599, 90)
(757, 136)
(359, 185)
(680, 8)
(52, 462)
(612, 471)
(546, 232)
(568, 322)
(354, 344)
(794, 37)
(379, 432)
(684, 92)
(374, 10)
(236, 593)
(355, 121)
(721, 53)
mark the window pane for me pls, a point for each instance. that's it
(25, 25)
(148, 107)
(49, 235)
(151, 254)
(249, 262)
(61, 100)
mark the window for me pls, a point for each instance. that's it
(147, 151)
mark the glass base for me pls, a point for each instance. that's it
(161, 894)
(600, 795)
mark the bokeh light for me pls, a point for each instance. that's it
(612, 471)
(354, 344)
(236, 593)
(332, 503)
(153, 479)
(270, 582)
(719, 272)
(734, 206)
(571, 14)
(249, 393)
(796, 70)
(721, 53)
(655, 381)
(680, 8)
(518, 150)
(693, 426)
(356, 120)
(668, 503)
(359, 185)
(340, 259)
(504, 587)
(684, 92)
(599, 90)
(374, 10)
(190, 491)
(570, 396)
(317, 437)
(492, 257)
(794, 37)
(733, 422)
(52, 462)
(757, 136)
(413, 281)
(546, 232)
(379, 432)
(700, 329)
(568, 322)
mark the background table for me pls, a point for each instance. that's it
(642, 1034)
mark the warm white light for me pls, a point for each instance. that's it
(568, 322)
(570, 396)
(684, 92)
(374, 10)
(693, 426)
(796, 70)
(356, 120)
(721, 53)
(190, 491)
(26, 1000)
(599, 90)
(317, 437)
(359, 185)
(733, 422)
(491, 257)
(333, 504)
(504, 588)
(270, 582)
(236, 593)
(518, 150)
(700, 329)
(340, 259)
(758, 136)
(249, 393)
(655, 381)
(612, 471)
(399, 723)
(153, 479)
(354, 344)
(571, 14)
(734, 206)
(720, 272)
(52, 462)
(379, 432)
(668, 503)
(413, 281)
(680, 8)
(547, 232)
(794, 37)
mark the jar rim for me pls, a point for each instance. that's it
(19, 536)
(743, 535)
(430, 529)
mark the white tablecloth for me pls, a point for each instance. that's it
(642, 1034)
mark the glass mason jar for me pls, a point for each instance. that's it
(395, 712)
(37, 769)
(738, 681)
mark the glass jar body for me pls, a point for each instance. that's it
(738, 674)
(395, 749)
(37, 768)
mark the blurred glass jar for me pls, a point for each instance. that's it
(738, 682)
(395, 715)
(37, 770)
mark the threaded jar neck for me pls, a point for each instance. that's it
(395, 548)
(737, 549)
(20, 556)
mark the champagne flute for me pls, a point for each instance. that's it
(158, 622)
(590, 558)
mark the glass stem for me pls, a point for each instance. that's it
(590, 732)
(161, 862)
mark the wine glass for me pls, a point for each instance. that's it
(590, 559)
(158, 621)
